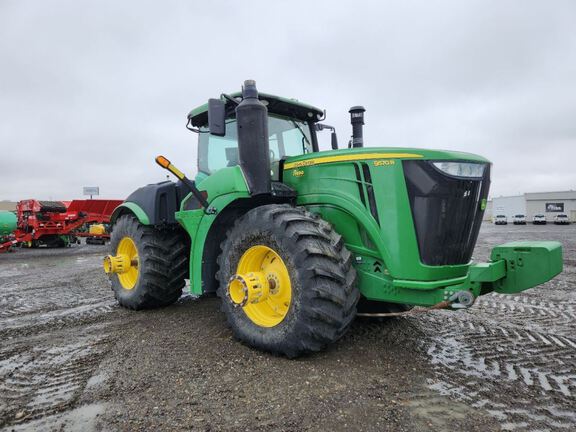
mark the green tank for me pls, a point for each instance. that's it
(7, 223)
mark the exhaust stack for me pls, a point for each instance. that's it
(357, 120)
(253, 145)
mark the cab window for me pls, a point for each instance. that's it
(287, 137)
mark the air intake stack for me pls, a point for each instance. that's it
(357, 120)
(253, 145)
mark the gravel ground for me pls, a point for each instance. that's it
(71, 359)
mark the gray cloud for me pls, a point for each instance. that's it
(90, 92)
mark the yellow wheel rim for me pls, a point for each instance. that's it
(263, 264)
(128, 278)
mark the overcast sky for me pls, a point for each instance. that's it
(92, 91)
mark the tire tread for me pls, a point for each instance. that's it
(163, 264)
(325, 273)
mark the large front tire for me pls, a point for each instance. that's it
(313, 292)
(159, 264)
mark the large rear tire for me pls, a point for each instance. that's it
(313, 295)
(160, 264)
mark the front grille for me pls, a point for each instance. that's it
(446, 211)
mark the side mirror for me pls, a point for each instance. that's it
(333, 137)
(334, 140)
(217, 117)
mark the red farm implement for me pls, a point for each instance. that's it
(58, 223)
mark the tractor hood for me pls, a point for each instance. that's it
(380, 153)
(410, 213)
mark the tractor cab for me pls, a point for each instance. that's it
(292, 127)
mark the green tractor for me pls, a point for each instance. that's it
(296, 242)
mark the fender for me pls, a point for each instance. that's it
(227, 191)
(154, 204)
(223, 187)
(130, 208)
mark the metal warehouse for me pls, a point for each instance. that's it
(548, 204)
(509, 206)
(551, 203)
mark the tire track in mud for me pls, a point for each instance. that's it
(485, 355)
(521, 307)
(56, 325)
(513, 356)
(43, 321)
(37, 293)
(520, 301)
(48, 378)
(53, 297)
(520, 414)
(492, 363)
(56, 306)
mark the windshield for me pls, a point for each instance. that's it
(287, 137)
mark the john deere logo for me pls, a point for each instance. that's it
(297, 173)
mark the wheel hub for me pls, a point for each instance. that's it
(249, 288)
(117, 264)
(124, 263)
(261, 286)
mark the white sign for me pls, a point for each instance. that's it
(91, 190)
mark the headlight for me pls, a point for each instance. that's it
(461, 169)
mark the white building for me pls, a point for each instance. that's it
(509, 206)
(551, 203)
(547, 203)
